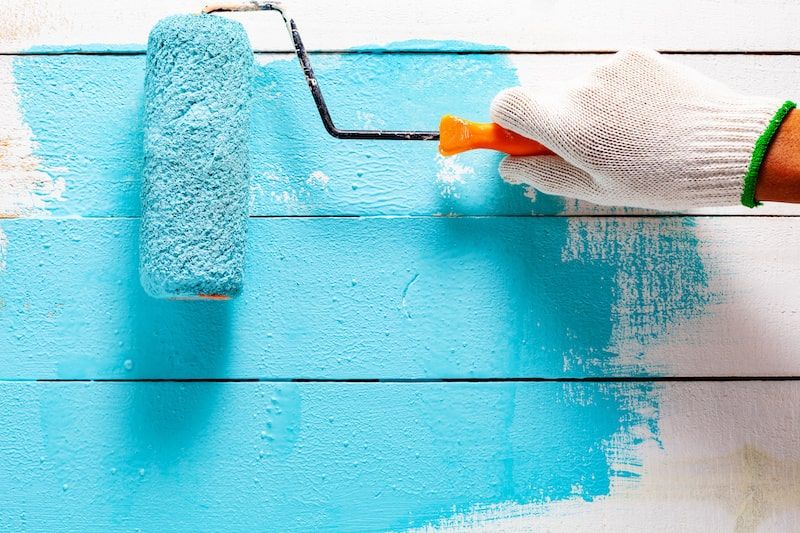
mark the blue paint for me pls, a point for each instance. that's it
(196, 174)
(86, 118)
(493, 297)
(346, 457)
(503, 306)
(533, 308)
(369, 91)
(85, 112)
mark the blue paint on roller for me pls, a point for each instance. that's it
(196, 169)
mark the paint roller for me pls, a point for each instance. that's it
(196, 129)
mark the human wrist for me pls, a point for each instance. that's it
(779, 178)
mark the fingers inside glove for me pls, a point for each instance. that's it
(550, 175)
(523, 112)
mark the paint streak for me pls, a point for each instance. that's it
(726, 460)
(617, 300)
(636, 433)
(403, 296)
(27, 187)
(653, 290)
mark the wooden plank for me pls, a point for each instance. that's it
(73, 129)
(415, 298)
(374, 457)
(456, 25)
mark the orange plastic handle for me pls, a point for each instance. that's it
(458, 135)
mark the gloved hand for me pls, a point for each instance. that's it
(642, 131)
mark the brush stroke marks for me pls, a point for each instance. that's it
(659, 280)
(725, 456)
(569, 296)
(27, 187)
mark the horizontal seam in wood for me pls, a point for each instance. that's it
(412, 51)
(440, 217)
(609, 379)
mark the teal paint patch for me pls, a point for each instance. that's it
(367, 91)
(85, 113)
(333, 298)
(360, 457)
(86, 116)
(450, 297)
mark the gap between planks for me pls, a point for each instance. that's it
(412, 216)
(611, 379)
(412, 51)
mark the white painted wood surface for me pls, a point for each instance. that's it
(708, 456)
(522, 25)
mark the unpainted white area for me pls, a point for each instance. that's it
(747, 307)
(724, 459)
(450, 173)
(26, 189)
(318, 179)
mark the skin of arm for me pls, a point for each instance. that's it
(779, 179)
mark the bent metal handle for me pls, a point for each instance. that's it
(455, 134)
(458, 135)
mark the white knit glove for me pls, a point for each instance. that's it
(642, 131)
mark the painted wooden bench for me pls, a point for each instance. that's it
(419, 345)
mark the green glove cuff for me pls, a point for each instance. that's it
(751, 178)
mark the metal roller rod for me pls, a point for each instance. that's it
(313, 84)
